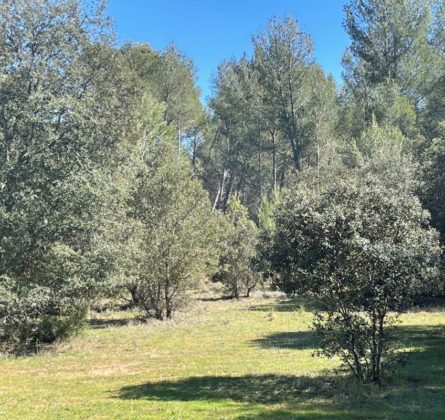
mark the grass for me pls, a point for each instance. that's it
(248, 359)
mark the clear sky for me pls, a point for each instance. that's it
(210, 31)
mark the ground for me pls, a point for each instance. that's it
(220, 359)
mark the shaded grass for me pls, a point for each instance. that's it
(221, 359)
(288, 340)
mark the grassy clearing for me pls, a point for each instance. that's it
(221, 359)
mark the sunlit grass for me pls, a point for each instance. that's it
(220, 359)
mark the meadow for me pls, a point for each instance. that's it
(220, 359)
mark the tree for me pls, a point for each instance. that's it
(272, 113)
(433, 182)
(63, 110)
(237, 269)
(388, 37)
(283, 54)
(364, 250)
(391, 67)
(266, 227)
(236, 131)
(382, 143)
(174, 233)
(170, 78)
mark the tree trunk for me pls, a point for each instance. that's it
(274, 162)
(249, 289)
(159, 313)
(134, 296)
(227, 193)
(194, 152)
(377, 377)
(297, 157)
(220, 191)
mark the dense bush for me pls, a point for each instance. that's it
(433, 177)
(363, 250)
(63, 110)
(237, 269)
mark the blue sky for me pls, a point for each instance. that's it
(210, 31)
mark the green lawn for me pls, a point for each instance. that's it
(250, 359)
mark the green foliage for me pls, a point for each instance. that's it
(169, 77)
(283, 54)
(272, 113)
(382, 143)
(433, 185)
(364, 250)
(389, 37)
(394, 66)
(63, 109)
(236, 267)
(266, 219)
(174, 234)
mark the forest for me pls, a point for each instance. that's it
(291, 229)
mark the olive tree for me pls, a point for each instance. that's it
(364, 250)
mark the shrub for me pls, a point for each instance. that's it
(174, 233)
(363, 250)
(237, 264)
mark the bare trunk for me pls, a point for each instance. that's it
(249, 289)
(194, 153)
(227, 193)
(220, 191)
(134, 296)
(259, 172)
(282, 177)
(274, 164)
(297, 158)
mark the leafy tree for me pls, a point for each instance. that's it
(266, 227)
(433, 112)
(174, 233)
(236, 131)
(174, 84)
(392, 68)
(170, 78)
(63, 110)
(237, 269)
(433, 185)
(364, 250)
(381, 143)
(283, 54)
(272, 113)
(389, 37)
(319, 120)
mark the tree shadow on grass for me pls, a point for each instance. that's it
(265, 389)
(417, 391)
(425, 363)
(417, 387)
(216, 298)
(261, 396)
(288, 340)
(286, 305)
(116, 322)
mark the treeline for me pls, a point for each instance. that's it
(277, 112)
(116, 183)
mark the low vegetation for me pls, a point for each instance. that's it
(250, 358)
